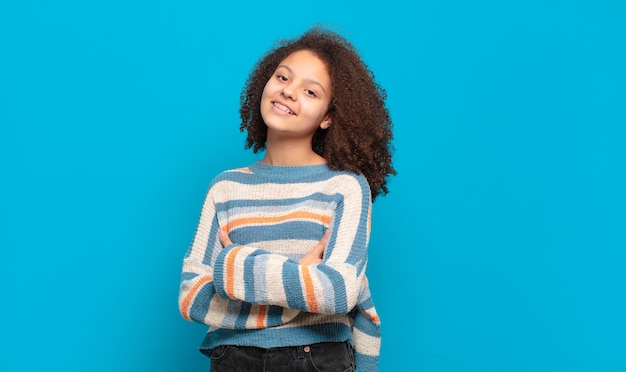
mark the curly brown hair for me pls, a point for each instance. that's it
(359, 138)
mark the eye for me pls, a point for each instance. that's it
(281, 77)
(310, 92)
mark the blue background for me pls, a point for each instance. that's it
(501, 246)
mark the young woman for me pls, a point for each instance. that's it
(277, 265)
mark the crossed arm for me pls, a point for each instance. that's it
(314, 256)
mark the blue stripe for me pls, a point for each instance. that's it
(365, 363)
(300, 230)
(367, 304)
(211, 253)
(232, 310)
(341, 302)
(258, 279)
(304, 176)
(361, 232)
(188, 276)
(291, 283)
(200, 305)
(249, 278)
(274, 316)
(242, 318)
(365, 325)
(238, 177)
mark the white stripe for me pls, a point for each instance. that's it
(274, 281)
(294, 249)
(267, 191)
(366, 344)
(260, 285)
(216, 313)
(253, 317)
(314, 206)
(328, 303)
(239, 288)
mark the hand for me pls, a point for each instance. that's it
(224, 239)
(315, 255)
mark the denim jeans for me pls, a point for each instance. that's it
(322, 357)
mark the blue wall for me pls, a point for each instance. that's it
(501, 246)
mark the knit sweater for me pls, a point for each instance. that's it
(254, 292)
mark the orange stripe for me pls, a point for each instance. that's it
(185, 307)
(373, 317)
(230, 272)
(272, 220)
(308, 289)
(260, 320)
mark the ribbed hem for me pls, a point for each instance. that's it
(366, 363)
(277, 337)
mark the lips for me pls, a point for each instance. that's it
(283, 108)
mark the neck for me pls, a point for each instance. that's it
(287, 152)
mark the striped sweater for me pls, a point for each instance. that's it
(254, 292)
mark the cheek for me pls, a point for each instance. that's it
(323, 110)
(265, 89)
(269, 88)
(264, 94)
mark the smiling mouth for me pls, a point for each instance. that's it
(283, 108)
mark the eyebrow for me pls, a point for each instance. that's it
(308, 80)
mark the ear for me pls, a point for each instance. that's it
(326, 122)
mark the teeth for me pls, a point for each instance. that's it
(283, 108)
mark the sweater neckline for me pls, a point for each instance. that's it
(287, 171)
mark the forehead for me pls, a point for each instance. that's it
(307, 64)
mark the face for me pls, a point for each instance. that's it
(295, 99)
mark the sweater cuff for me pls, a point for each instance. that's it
(365, 363)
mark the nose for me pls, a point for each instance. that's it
(288, 92)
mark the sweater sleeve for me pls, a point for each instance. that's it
(254, 275)
(198, 300)
(366, 331)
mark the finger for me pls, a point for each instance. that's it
(326, 234)
(324, 238)
(320, 247)
(224, 238)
